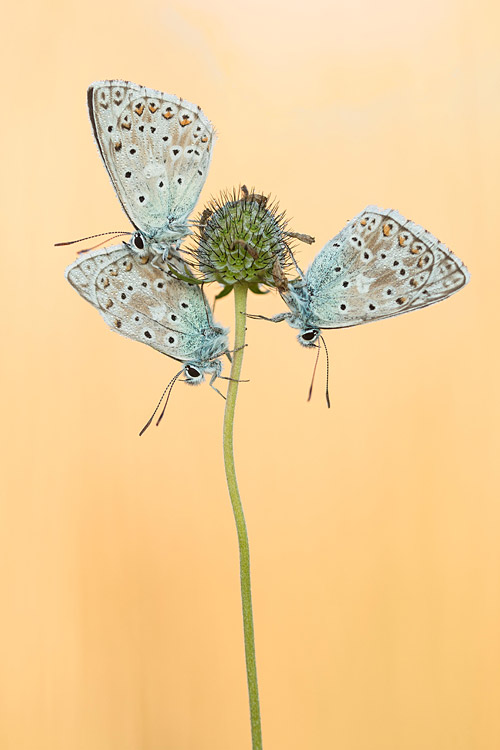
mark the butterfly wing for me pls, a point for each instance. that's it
(156, 148)
(139, 299)
(380, 265)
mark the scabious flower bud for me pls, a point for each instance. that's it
(241, 238)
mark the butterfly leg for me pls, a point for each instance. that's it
(297, 267)
(275, 319)
(170, 251)
(235, 350)
(212, 380)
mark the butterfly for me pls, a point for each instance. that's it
(139, 298)
(380, 265)
(157, 150)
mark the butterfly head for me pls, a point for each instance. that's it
(308, 336)
(195, 372)
(166, 245)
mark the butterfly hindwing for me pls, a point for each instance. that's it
(157, 150)
(141, 300)
(378, 266)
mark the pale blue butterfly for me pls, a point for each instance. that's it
(139, 298)
(157, 150)
(380, 265)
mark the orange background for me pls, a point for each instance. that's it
(373, 526)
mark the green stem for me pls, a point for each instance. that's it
(240, 305)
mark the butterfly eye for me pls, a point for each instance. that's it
(192, 371)
(309, 336)
(138, 242)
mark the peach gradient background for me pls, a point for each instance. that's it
(374, 526)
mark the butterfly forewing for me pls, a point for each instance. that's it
(139, 299)
(156, 148)
(379, 266)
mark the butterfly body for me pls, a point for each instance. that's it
(140, 299)
(157, 150)
(380, 265)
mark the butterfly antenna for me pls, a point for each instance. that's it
(92, 236)
(159, 403)
(314, 373)
(327, 372)
(172, 383)
(100, 244)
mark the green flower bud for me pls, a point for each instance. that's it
(241, 239)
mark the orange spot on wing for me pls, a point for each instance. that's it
(139, 109)
(126, 125)
(168, 114)
(363, 222)
(402, 239)
(387, 229)
(204, 139)
(185, 121)
(153, 107)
